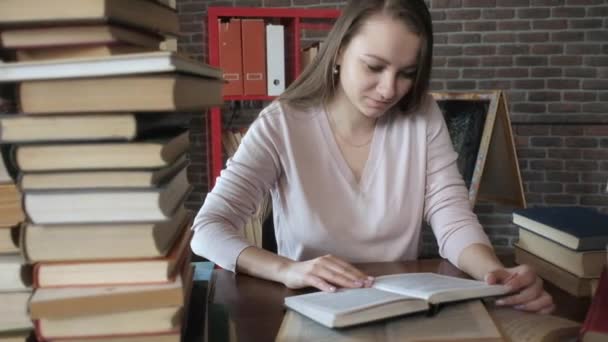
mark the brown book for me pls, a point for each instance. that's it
(61, 37)
(518, 326)
(162, 92)
(43, 243)
(11, 212)
(254, 56)
(584, 264)
(125, 179)
(106, 206)
(579, 287)
(144, 14)
(114, 272)
(102, 156)
(89, 127)
(87, 51)
(60, 303)
(139, 322)
(231, 56)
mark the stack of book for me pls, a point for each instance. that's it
(15, 274)
(566, 245)
(100, 144)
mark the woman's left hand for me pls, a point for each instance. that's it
(526, 286)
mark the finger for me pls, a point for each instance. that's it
(348, 268)
(547, 310)
(336, 278)
(319, 283)
(521, 280)
(537, 304)
(527, 294)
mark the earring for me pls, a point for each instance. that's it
(336, 69)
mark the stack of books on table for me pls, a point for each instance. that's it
(100, 144)
(566, 245)
(15, 274)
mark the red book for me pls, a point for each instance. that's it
(254, 57)
(231, 57)
(595, 327)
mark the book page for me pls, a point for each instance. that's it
(344, 301)
(518, 326)
(424, 285)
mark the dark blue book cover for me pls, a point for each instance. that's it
(574, 227)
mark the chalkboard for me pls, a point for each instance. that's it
(480, 130)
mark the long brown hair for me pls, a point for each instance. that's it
(317, 83)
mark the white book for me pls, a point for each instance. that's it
(118, 65)
(103, 206)
(275, 59)
(15, 275)
(391, 295)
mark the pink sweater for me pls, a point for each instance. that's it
(319, 208)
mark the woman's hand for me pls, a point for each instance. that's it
(325, 273)
(527, 286)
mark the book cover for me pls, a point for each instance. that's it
(106, 206)
(155, 153)
(115, 240)
(578, 228)
(584, 264)
(114, 272)
(136, 93)
(90, 127)
(275, 59)
(574, 285)
(148, 15)
(65, 36)
(254, 57)
(595, 327)
(231, 56)
(119, 65)
(120, 179)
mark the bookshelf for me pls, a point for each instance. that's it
(295, 22)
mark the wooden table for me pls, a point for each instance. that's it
(255, 306)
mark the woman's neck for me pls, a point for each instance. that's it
(347, 120)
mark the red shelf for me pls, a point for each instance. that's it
(292, 19)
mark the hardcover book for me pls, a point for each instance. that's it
(106, 206)
(148, 15)
(578, 228)
(391, 295)
(119, 65)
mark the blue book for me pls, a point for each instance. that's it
(578, 228)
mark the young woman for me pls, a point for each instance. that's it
(355, 155)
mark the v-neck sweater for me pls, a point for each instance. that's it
(319, 208)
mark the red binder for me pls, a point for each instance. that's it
(230, 53)
(254, 57)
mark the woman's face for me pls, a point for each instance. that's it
(378, 66)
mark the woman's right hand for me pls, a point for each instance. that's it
(325, 273)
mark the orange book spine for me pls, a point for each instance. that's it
(231, 60)
(254, 57)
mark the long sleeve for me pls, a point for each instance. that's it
(447, 207)
(248, 175)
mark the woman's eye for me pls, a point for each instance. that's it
(374, 68)
(408, 74)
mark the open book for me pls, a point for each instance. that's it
(391, 295)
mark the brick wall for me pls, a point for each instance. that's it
(551, 58)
